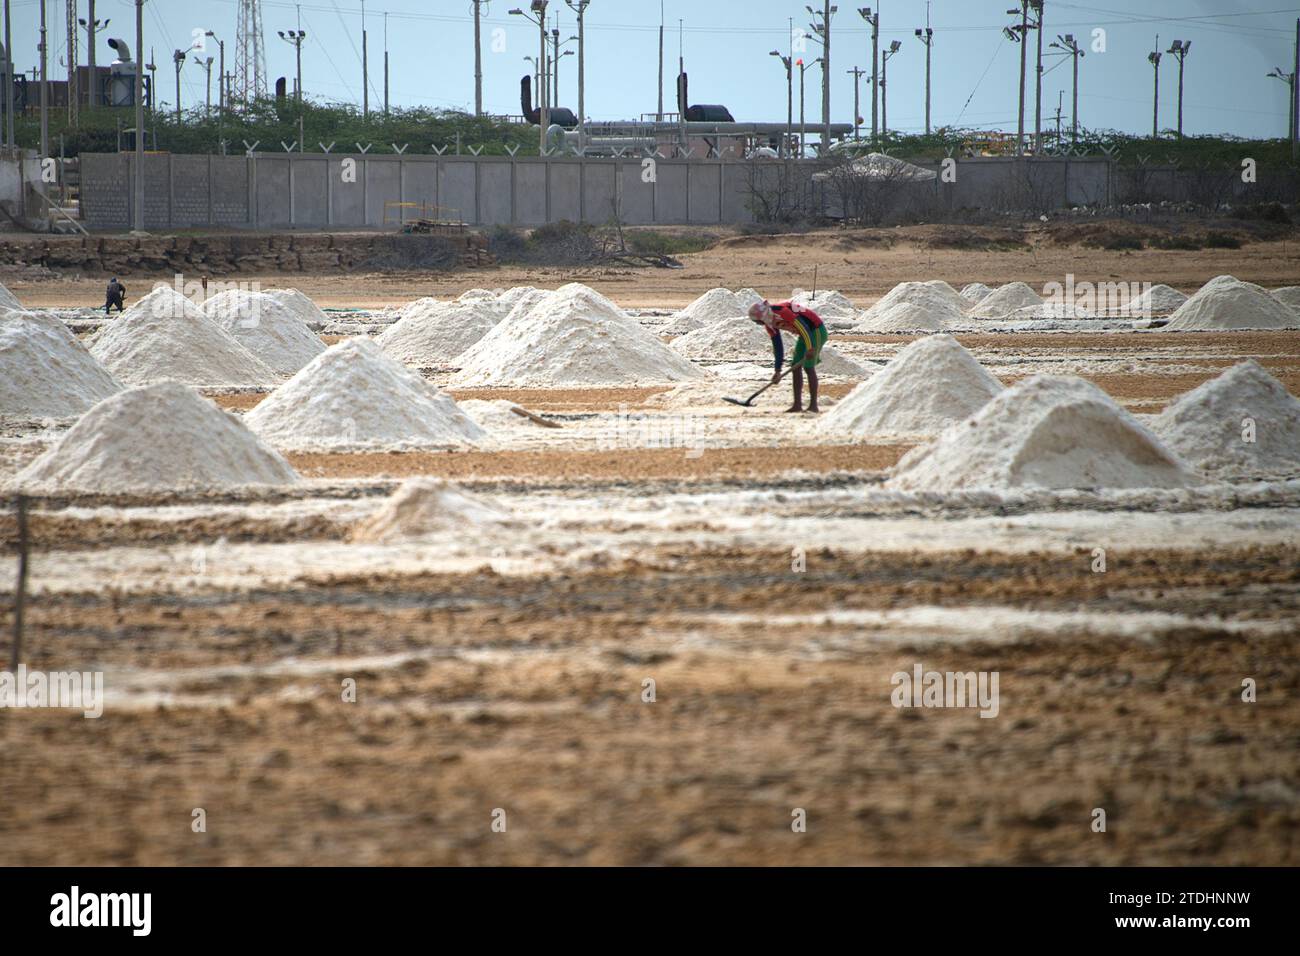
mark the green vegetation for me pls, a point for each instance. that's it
(272, 122)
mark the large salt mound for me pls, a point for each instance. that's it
(1157, 300)
(928, 386)
(1004, 300)
(432, 333)
(1043, 432)
(424, 507)
(1226, 303)
(1288, 295)
(934, 296)
(8, 300)
(910, 317)
(573, 336)
(1207, 426)
(267, 325)
(165, 336)
(709, 308)
(354, 397)
(740, 339)
(828, 304)
(301, 306)
(163, 437)
(45, 372)
(975, 292)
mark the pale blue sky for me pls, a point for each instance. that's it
(1235, 43)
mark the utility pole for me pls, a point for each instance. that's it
(1154, 58)
(179, 59)
(74, 84)
(221, 74)
(92, 27)
(478, 57)
(1295, 97)
(1024, 52)
(659, 115)
(894, 47)
(1060, 100)
(857, 84)
(365, 67)
(1071, 49)
(206, 63)
(9, 81)
(580, 8)
(1038, 81)
(1179, 49)
(385, 62)
(45, 89)
(137, 193)
(1289, 80)
(874, 20)
(821, 28)
(789, 98)
(926, 36)
(296, 37)
(538, 8)
(803, 126)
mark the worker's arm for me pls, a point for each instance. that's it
(778, 353)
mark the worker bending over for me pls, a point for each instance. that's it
(810, 335)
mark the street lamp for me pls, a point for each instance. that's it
(1179, 49)
(178, 57)
(1289, 80)
(884, 86)
(789, 98)
(538, 7)
(926, 36)
(1069, 47)
(92, 27)
(1154, 59)
(821, 28)
(874, 20)
(803, 127)
(221, 72)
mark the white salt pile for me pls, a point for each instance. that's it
(163, 437)
(975, 292)
(1242, 424)
(8, 300)
(525, 302)
(1288, 295)
(910, 317)
(1227, 303)
(935, 295)
(267, 325)
(573, 336)
(1004, 300)
(301, 306)
(742, 339)
(1049, 310)
(1043, 432)
(165, 336)
(1158, 300)
(426, 507)
(353, 397)
(928, 386)
(508, 299)
(45, 372)
(827, 303)
(709, 308)
(431, 333)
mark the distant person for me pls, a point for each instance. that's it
(115, 296)
(810, 335)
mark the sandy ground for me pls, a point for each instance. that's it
(760, 576)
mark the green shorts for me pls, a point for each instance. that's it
(802, 356)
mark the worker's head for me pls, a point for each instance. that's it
(761, 313)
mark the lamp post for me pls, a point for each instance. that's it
(538, 8)
(555, 59)
(1069, 47)
(821, 28)
(580, 8)
(206, 63)
(803, 127)
(178, 57)
(926, 36)
(857, 75)
(137, 194)
(1019, 33)
(221, 73)
(1289, 80)
(874, 20)
(92, 27)
(894, 47)
(365, 67)
(1154, 59)
(789, 98)
(1179, 49)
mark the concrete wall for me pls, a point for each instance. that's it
(314, 191)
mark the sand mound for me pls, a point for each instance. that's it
(45, 372)
(301, 306)
(165, 336)
(827, 303)
(975, 292)
(1207, 426)
(573, 336)
(8, 300)
(1288, 295)
(712, 306)
(267, 325)
(158, 438)
(1004, 300)
(743, 340)
(1157, 300)
(1226, 303)
(929, 385)
(354, 397)
(1043, 432)
(432, 333)
(425, 507)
